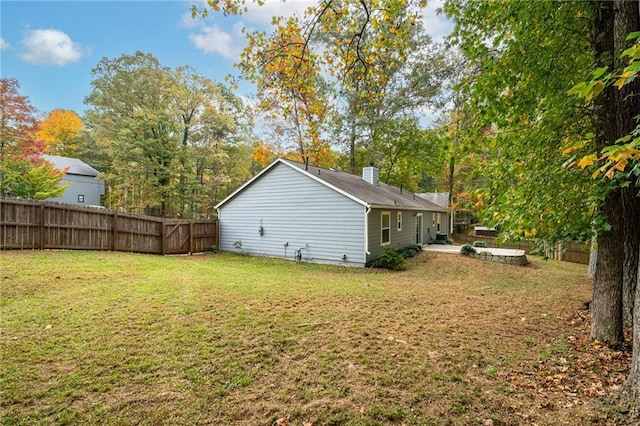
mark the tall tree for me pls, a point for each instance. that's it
(613, 160)
(170, 135)
(129, 106)
(370, 53)
(291, 93)
(606, 306)
(59, 131)
(627, 21)
(18, 123)
(530, 55)
(23, 172)
(211, 119)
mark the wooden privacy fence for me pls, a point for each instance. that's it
(43, 225)
(568, 252)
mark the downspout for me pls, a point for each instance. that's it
(366, 233)
(218, 236)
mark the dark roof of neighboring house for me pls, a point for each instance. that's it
(76, 166)
(355, 187)
(440, 198)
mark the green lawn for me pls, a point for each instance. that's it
(118, 339)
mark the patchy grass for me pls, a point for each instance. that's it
(115, 338)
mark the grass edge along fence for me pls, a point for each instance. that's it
(31, 225)
(566, 252)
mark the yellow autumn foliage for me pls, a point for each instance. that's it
(59, 130)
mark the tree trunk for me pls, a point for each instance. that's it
(352, 148)
(593, 257)
(452, 168)
(626, 21)
(630, 391)
(606, 307)
(631, 202)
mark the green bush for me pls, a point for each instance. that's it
(410, 250)
(479, 244)
(392, 259)
(467, 249)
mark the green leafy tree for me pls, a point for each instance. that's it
(129, 108)
(165, 136)
(522, 116)
(38, 181)
(557, 28)
(213, 123)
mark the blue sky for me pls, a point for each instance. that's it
(51, 46)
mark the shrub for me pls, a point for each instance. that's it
(467, 250)
(392, 259)
(479, 244)
(410, 250)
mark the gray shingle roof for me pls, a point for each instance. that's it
(380, 195)
(76, 166)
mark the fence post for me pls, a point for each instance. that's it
(191, 237)
(42, 227)
(114, 229)
(163, 237)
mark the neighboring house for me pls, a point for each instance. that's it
(442, 200)
(439, 198)
(298, 211)
(85, 188)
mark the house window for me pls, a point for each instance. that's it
(438, 220)
(433, 219)
(80, 198)
(399, 220)
(386, 229)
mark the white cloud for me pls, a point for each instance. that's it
(213, 39)
(51, 47)
(3, 44)
(436, 25)
(263, 15)
(188, 21)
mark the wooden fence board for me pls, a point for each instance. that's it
(43, 225)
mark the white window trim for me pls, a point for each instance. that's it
(382, 214)
(399, 221)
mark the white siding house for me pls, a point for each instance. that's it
(296, 211)
(85, 189)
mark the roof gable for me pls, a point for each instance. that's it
(351, 186)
